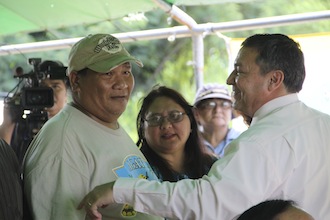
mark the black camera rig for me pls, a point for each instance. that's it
(28, 100)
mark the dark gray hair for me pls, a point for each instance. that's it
(279, 52)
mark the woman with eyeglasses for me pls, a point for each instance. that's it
(169, 136)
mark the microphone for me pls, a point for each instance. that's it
(18, 72)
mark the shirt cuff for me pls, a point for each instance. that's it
(123, 190)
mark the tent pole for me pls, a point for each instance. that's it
(191, 29)
(178, 32)
(197, 38)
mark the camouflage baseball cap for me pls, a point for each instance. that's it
(100, 53)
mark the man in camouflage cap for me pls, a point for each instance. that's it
(84, 145)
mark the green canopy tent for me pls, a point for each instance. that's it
(40, 15)
(36, 15)
(19, 16)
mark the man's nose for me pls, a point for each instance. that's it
(231, 78)
(120, 82)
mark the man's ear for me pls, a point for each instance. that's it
(74, 80)
(276, 79)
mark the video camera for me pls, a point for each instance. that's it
(30, 98)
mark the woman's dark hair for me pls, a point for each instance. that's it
(196, 159)
(279, 52)
(267, 210)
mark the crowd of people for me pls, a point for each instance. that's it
(283, 153)
(188, 162)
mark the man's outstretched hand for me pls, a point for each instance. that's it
(99, 197)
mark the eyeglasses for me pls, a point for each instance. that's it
(172, 117)
(214, 104)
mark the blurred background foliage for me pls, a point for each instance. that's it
(168, 62)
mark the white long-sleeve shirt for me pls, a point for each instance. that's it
(284, 154)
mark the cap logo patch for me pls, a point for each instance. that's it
(108, 44)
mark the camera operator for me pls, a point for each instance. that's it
(18, 132)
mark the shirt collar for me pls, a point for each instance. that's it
(273, 105)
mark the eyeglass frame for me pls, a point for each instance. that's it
(206, 104)
(162, 118)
